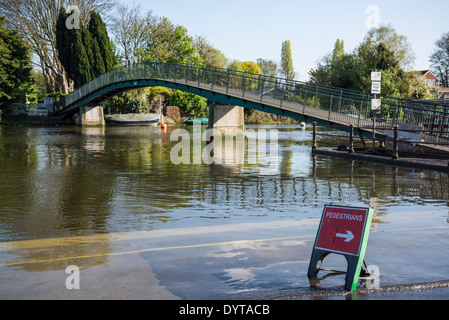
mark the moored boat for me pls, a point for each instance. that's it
(132, 119)
(201, 121)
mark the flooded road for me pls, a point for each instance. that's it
(111, 202)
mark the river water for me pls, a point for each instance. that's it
(69, 181)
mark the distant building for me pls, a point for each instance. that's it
(431, 80)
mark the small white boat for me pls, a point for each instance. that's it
(132, 119)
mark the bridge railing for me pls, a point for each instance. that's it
(337, 104)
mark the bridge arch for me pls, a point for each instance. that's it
(299, 100)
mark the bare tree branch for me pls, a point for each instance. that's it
(129, 26)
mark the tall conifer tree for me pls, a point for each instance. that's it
(81, 64)
(65, 39)
(98, 31)
(287, 61)
(85, 53)
(99, 67)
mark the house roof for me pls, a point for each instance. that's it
(424, 72)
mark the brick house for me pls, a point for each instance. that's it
(433, 81)
(430, 78)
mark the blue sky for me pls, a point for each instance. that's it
(250, 29)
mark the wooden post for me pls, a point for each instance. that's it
(395, 155)
(351, 139)
(314, 137)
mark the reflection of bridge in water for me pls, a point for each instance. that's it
(271, 181)
(356, 184)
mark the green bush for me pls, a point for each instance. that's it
(153, 94)
(190, 103)
(55, 95)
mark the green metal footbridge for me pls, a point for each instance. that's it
(304, 101)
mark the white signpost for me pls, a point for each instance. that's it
(375, 104)
(375, 87)
(376, 78)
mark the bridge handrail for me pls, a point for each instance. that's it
(325, 88)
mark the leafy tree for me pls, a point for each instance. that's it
(440, 59)
(384, 51)
(236, 65)
(339, 50)
(168, 43)
(287, 69)
(253, 81)
(336, 69)
(194, 105)
(398, 44)
(159, 40)
(153, 93)
(413, 86)
(343, 75)
(190, 103)
(39, 83)
(209, 55)
(369, 57)
(15, 70)
(268, 67)
(131, 101)
(251, 67)
(245, 66)
(386, 58)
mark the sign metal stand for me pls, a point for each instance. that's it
(345, 231)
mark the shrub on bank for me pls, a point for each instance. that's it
(260, 117)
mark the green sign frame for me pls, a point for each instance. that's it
(330, 239)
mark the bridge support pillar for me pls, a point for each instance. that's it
(226, 118)
(90, 116)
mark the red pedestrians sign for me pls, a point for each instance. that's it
(342, 229)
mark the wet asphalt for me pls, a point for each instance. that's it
(253, 261)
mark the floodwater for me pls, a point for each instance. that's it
(63, 185)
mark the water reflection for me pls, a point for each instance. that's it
(57, 182)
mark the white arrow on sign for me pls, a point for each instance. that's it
(348, 235)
